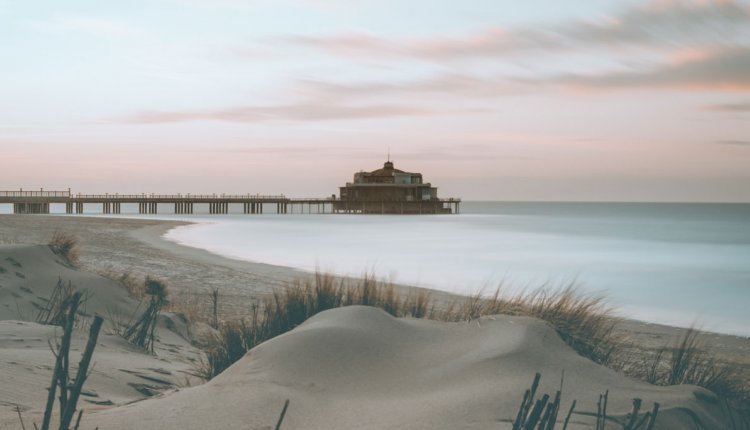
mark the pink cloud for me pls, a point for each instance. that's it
(717, 70)
(657, 25)
(291, 112)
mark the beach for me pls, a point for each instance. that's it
(114, 246)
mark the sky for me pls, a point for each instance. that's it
(489, 99)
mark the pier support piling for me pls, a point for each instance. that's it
(30, 208)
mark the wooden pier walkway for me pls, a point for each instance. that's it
(38, 202)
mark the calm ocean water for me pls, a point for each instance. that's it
(678, 264)
(671, 263)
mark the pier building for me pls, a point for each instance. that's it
(392, 191)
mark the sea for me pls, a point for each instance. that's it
(682, 264)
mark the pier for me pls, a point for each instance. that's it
(38, 202)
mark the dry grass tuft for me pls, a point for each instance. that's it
(690, 362)
(190, 306)
(133, 284)
(583, 322)
(65, 245)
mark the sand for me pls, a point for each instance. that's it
(121, 373)
(347, 368)
(358, 367)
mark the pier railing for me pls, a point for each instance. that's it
(178, 196)
(39, 202)
(40, 193)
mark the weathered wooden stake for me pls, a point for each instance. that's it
(61, 361)
(283, 412)
(83, 368)
(570, 413)
(215, 300)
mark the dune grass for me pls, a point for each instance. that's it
(584, 322)
(690, 361)
(65, 244)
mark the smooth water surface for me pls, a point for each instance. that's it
(670, 263)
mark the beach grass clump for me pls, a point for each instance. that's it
(190, 306)
(583, 322)
(690, 361)
(132, 283)
(284, 310)
(66, 245)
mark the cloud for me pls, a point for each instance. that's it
(309, 150)
(705, 70)
(656, 25)
(672, 23)
(306, 111)
(412, 151)
(723, 70)
(245, 4)
(734, 142)
(737, 107)
(449, 84)
(484, 43)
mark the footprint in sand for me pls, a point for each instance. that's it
(13, 262)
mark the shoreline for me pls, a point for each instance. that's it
(118, 245)
(646, 275)
(637, 315)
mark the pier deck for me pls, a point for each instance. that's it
(38, 202)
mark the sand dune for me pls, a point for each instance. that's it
(122, 373)
(358, 367)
